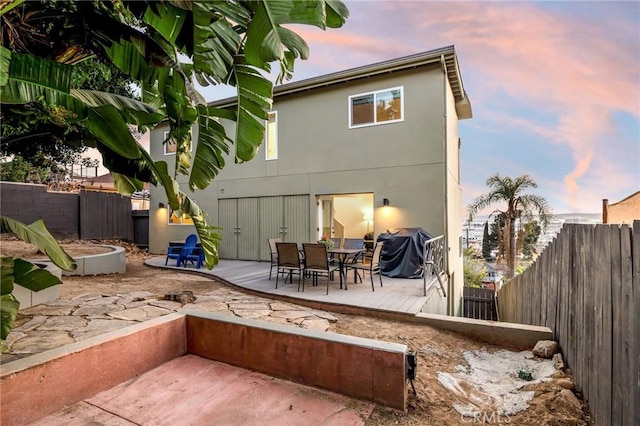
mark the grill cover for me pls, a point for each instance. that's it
(402, 255)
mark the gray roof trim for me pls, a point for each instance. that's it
(446, 56)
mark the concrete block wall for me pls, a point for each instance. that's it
(29, 202)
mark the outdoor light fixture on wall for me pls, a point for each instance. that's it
(385, 202)
(161, 205)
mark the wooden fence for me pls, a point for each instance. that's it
(585, 286)
(479, 303)
(105, 215)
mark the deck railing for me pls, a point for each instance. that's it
(434, 263)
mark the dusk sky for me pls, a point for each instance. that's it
(554, 86)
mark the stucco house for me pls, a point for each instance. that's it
(624, 211)
(337, 149)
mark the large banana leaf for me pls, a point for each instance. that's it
(213, 143)
(215, 43)
(126, 185)
(33, 79)
(6, 275)
(336, 13)
(6, 6)
(254, 102)
(33, 277)
(5, 60)
(209, 235)
(25, 273)
(142, 112)
(167, 19)
(38, 235)
(107, 124)
(267, 41)
(8, 313)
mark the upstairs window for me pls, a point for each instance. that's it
(271, 137)
(379, 107)
(170, 147)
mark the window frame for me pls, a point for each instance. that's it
(375, 118)
(181, 218)
(164, 145)
(266, 137)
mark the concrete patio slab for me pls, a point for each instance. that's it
(196, 391)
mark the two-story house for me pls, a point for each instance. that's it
(362, 150)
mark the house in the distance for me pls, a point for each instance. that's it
(624, 211)
(363, 150)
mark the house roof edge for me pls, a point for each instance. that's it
(445, 55)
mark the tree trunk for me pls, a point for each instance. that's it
(512, 248)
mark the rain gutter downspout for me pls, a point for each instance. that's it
(450, 303)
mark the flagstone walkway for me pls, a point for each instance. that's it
(65, 321)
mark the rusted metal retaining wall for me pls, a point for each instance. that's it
(585, 286)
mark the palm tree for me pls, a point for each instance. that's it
(518, 205)
(163, 46)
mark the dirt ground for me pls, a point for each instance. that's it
(438, 351)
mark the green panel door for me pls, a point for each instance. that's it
(248, 233)
(296, 219)
(228, 219)
(271, 223)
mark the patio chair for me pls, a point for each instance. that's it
(316, 262)
(288, 260)
(336, 241)
(373, 267)
(188, 252)
(354, 243)
(274, 253)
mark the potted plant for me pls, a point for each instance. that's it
(328, 242)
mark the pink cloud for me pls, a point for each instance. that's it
(577, 68)
(563, 65)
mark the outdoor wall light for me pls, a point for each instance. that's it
(161, 205)
(385, 202)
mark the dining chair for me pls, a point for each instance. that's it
(288, 260)
(354, 243)
(316, 262)
(274, 253)
(373, 267)
(336, 242)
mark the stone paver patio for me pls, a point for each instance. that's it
(65, 321)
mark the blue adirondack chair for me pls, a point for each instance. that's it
(188, 252)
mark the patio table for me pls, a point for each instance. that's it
(343, 254)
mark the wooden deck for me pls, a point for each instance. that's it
(398, 296)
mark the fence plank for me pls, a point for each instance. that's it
(585, 287)
(105, 216)
(632, 416)
(619, 318)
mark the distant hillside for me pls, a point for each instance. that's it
(566, 217)
(579, 217)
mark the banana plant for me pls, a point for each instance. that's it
(224, 42)
(19, 271)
